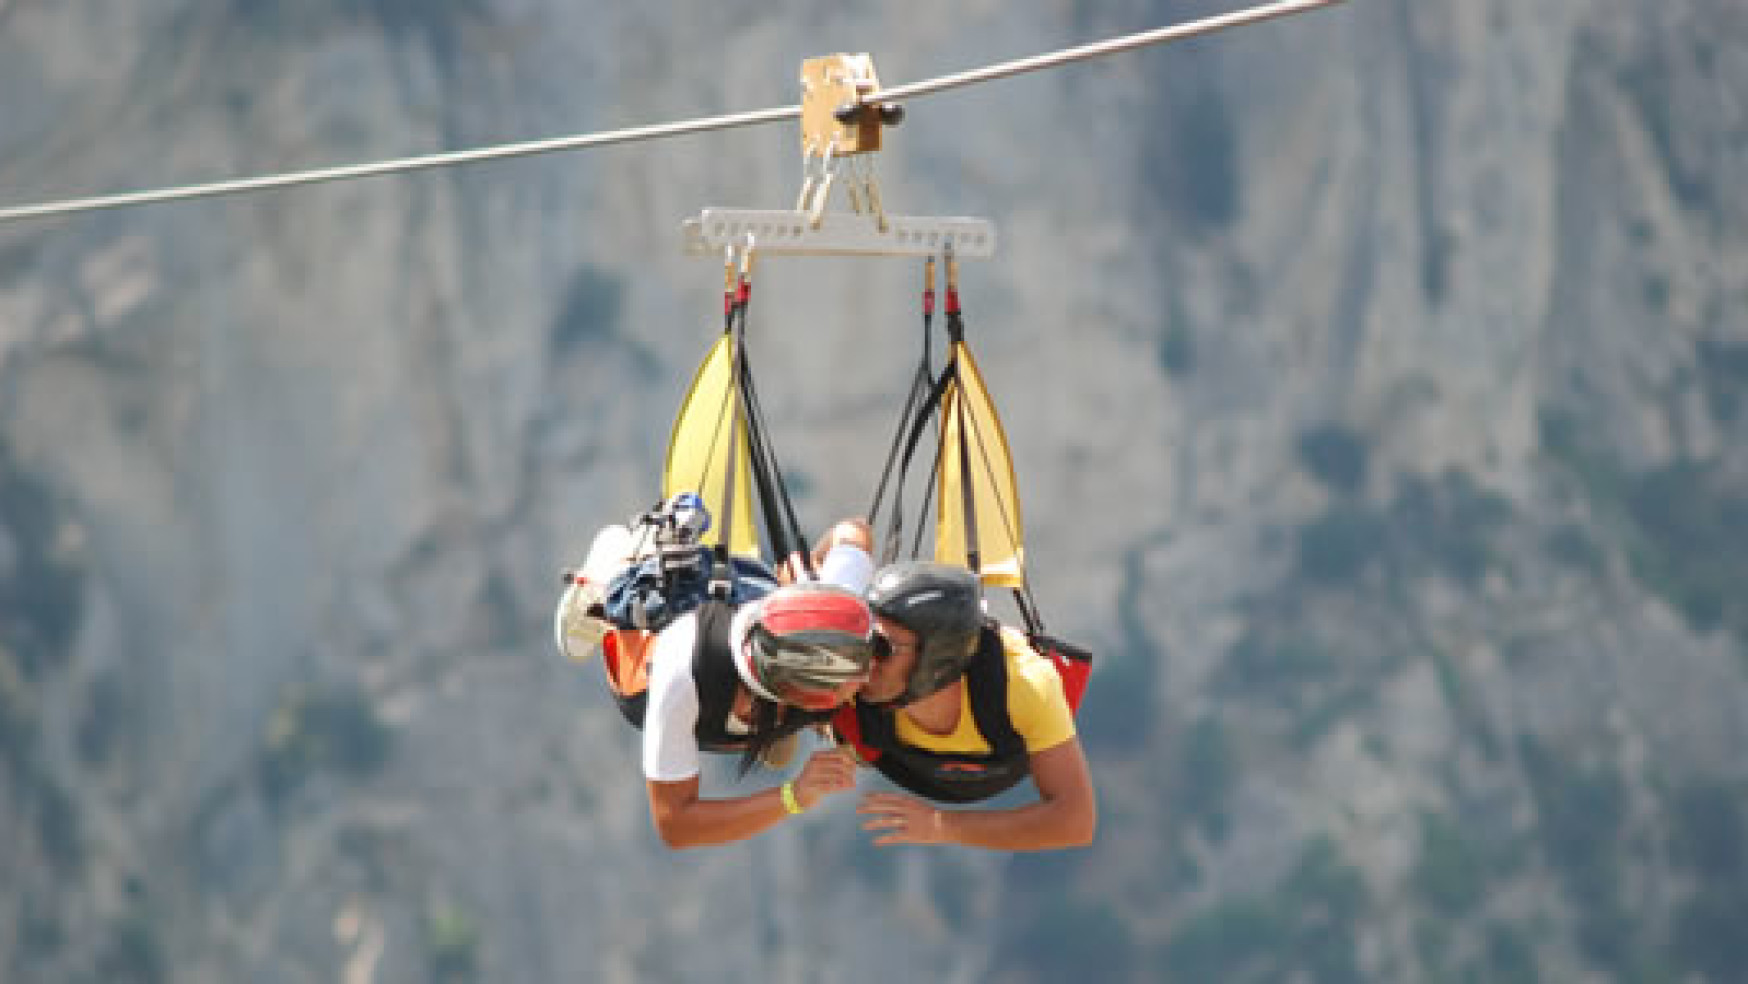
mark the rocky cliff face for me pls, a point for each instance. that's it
(1376, 381)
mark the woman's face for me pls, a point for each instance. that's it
(892, 661)
(822, 700)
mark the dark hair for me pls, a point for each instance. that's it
(771, 723)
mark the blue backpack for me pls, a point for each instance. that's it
(675, 580)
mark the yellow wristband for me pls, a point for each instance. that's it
(790, 803)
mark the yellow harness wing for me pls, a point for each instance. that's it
(708, 444)
(977, 517)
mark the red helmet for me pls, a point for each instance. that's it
(807, 641)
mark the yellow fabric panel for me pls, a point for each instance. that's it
(1036, 705)
(1000, 527)
(698, 449)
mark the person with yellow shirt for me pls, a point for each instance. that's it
(956, 710)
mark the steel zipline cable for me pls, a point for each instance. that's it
(1176, 32)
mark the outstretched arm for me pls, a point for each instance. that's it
(1065, 815)
(684, 820)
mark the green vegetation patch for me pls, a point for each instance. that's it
(132, 953)
(1276, 662)
(1693, 542)
(1118, 708)
(451, 945)
(1334, 548)
(1207, 775)
(1177, 349)
(1723, 369)
(1448, 522)
(1582, 812)
(1305, 930)
(1683, 527)
(1072, 939)
(1506, 958)
(42, 581)
(334, 730)
(591, 313)
(1707, 840)
(1450, 872)
(1336, 455)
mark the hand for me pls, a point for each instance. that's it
(831, 770)
(905, 820)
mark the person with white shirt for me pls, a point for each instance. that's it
(747, 679)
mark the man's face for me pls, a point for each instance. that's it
(892, 661)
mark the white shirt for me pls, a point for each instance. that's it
(670, 721)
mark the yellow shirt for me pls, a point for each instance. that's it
(1036, 705)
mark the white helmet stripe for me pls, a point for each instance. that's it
(743, 664)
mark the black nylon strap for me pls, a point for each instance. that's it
(926, 412)
(781, 526)
(967, 491)
(956, 777)
(931, 404)
(715, 677)
(916, 548)
(920, 384)
(1028, 609)
(777, 511)
(721, 567)
(987, 676)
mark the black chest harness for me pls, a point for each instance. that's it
(951, 777)
(717, 680)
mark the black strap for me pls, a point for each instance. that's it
(987, 676)
(1029, 609)
(721, 569)
(921, 407)
(777, 511)
(920, 385)
(714, 675)
(955, 777)
(926, 411)
(916, 404)
(781, 527)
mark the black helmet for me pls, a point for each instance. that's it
(943, 605)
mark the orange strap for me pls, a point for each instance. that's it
(625, 658)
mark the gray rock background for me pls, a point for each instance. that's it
(1376, 382)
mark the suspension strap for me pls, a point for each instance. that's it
(967, 490)
(926, 411)
(915, 411)
(737, 292)
(781, 526)
(777, 511)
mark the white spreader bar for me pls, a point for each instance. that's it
(778, 231)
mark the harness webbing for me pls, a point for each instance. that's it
(734, 300)
(781, 526)
(915, 403)
(923, 406)
(777, 510)
(967, 486)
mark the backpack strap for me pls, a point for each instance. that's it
(875, 728)
(625, 661)
(714, 675)
(987, 678)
